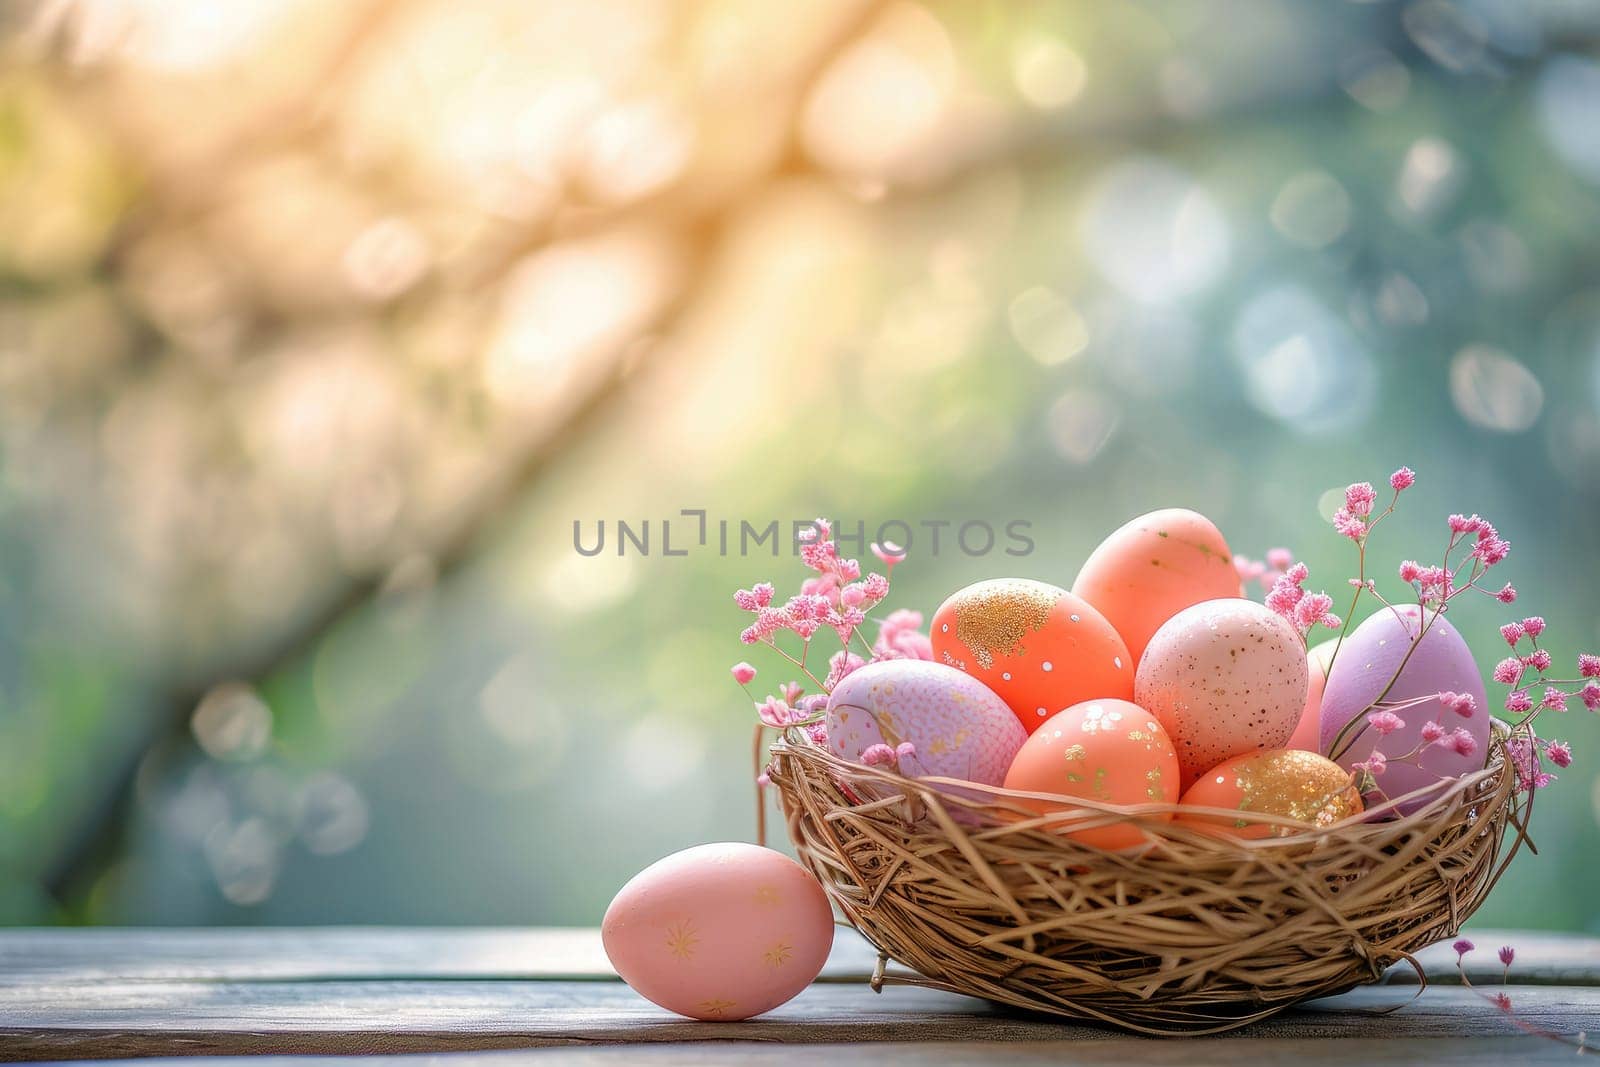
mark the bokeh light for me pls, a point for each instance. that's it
(322, 325)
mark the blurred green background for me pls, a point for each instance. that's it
(322, 324)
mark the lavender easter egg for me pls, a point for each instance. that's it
(958, 726)
(1441, 663)
(1224, 677)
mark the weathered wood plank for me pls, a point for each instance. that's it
(332, 953)
(68, 1021)
(1089, 1052)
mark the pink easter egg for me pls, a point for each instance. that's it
(719, 932)
(1442, 662)
(1225, 677)
(958, 726)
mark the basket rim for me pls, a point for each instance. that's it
(1000, 812)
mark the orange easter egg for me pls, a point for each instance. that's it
(1153, 567)
(1300, 785)
(1307, 734)
(1038, 646)
(1109, 750)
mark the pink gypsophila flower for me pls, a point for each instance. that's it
(1360, 497)
(743, 673)
(1518, 701)
(888, 553)
(1463, 743)
(1463, 704)
(1349, 524)
(1462, 947)
(1507, 954)
(877, 586)
(1588, 665)
(1512, 632)
(1590, 695)
(877, 755)
(1508, 670)
(1464, 524)
(1279, 559)
(1554, 699)
(1404, 478)
(1507, 594)
(1312, 609)
(1409, 569)
(792, 691)
(1373, 764)
(1431, 731)
(1560, 753)
(775, 713)
(1385, 722)
(1539, 659)
(1533, 625)
(840, 666)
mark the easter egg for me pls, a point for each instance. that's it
(1038, 646)
(957, 726)
(1303, 786)
(1307, 736)
(722, 931)
(1153, 567)
(1442, 662)
(1225, 677)
(1107, 750)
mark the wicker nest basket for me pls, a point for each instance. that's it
(1197, 933)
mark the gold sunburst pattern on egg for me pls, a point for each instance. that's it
(1035, 645)
(992, 618)
(1303, 786)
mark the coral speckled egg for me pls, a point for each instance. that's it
(1442, 662)
(1304, 786)
(959, 728)
(1225, 677)
(1107, 750)
(722, 931)
(1038, 646)
(1153, 567)
(1307, 736)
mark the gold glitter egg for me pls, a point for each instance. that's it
(1306, 787)
(1041, 648)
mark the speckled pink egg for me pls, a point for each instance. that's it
(719, 932)
(1225, 677)
(959, 727)
(1441, 663)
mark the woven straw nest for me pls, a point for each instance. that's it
(1196, 933)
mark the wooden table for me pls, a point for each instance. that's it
(551, 996)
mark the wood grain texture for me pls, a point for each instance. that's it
(95, 994)
(181, 1018)
(492, 954)
(1097, 1051)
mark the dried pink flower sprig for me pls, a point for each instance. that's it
(836, 598)
(1434, 587)
(1502, 1000)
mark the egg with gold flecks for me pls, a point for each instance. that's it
(719, 932)
(1107, 750)
(1225, 677)
(957, 727)
(1303, 786)
(1153, 567)
(1038, 646)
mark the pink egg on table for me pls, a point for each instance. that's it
(1224, 677)
(1442, 662)
(958, 726)
(719, 932)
